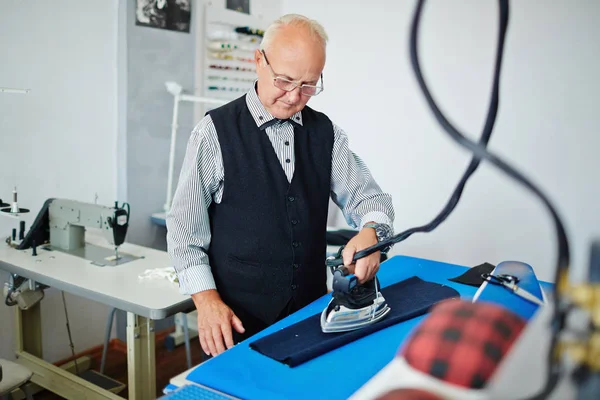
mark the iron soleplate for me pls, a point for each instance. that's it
(346, 319)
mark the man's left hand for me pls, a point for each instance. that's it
(365, 268)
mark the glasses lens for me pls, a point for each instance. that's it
(311, 90)
(284, 84)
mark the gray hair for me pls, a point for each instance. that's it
(315, 29)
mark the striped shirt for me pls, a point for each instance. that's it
(201, 182)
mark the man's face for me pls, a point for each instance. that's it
(292, 55)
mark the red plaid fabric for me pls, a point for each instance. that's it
(462, 343)
(409, 394)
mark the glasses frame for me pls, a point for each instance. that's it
(295, 84)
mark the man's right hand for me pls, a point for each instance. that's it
(215, 320)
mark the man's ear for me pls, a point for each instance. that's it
(257, 56)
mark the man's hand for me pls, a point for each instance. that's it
(215, 320)
(366, 267)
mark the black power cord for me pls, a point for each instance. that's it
(473, 165)
(480, 152)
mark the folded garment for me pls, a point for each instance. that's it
(472, 276)
(167, 273)
(304, 340)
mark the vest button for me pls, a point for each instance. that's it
(291, 198)
(294, 287)
(295, 266)
(295, 244)
(294, 221)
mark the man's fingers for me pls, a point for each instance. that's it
(348, 254)
(227, 334)
(361, 270)
(237, 324)
(210, 342)
(351, 268)
(203, 343)
(372, 270)
(218, 338)
(366, 269)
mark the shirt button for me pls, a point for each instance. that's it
(287, 160)
(260, 117)
(287, 143)
(291, 198)
(297, 118)
(294, 221)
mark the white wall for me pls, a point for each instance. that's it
(60, 139)
(547, 124)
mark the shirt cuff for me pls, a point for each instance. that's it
(377, 217)
(195, 278)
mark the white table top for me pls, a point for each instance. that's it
(116, 286)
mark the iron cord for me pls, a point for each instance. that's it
(480, 152)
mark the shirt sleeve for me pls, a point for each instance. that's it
(188, 227)
(353, 188)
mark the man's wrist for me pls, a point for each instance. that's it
(200, 298)
(382, 232)
(371, 226)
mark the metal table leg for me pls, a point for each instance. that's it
(109, 324)
(141, 357)
(29, 353)
(186, 333)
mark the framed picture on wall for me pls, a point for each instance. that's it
(173, 15)
(242, 6)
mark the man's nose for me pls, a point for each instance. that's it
(294, 95)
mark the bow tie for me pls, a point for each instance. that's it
(277, 121)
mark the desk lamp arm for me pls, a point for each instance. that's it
(178, 96)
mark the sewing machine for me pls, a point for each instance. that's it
(61, 224)
(80, 248)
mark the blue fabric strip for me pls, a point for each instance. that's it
(505, 297)
(304, 340)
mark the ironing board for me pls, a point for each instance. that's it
(247, 374)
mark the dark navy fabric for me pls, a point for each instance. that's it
(304, 340)
(268, 242)
(473, 276)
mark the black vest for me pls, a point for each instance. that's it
(268, 235)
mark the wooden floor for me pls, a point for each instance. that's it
(168, 364)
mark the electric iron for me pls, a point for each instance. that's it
(352, 305)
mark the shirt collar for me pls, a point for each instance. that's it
(259, 112)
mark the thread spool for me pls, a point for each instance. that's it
(14, 207)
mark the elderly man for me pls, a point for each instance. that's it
(246, 231)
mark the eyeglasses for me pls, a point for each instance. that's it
(285, 84)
